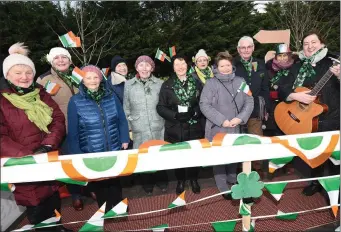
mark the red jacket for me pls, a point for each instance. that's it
(20, 137)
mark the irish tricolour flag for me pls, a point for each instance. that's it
(119, 209)
(160, 55)
(245, 88)
(172, 51)
(51, 221)
(77, 75)
(69, 40)
(51, 88)
(96, 222)
(332, 185)
(180, 201)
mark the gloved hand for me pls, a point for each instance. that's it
(42, 149)
(183, 117)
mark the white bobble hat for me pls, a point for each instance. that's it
(201, 53)
(17, 55)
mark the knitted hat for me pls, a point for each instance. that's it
(17, 55)
(115, 61)
(201, 53)
(145, 59)
(56, 52)
(93, 68)
(282, 48)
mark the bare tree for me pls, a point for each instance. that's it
(95, 32)
(300, 17)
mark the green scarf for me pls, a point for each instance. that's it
(36, 110)
(307, 71)
(96, 95)
(66, 77)
(21, 90)
(185, 94)
(248, 66)
(204, 74)
(279, 74)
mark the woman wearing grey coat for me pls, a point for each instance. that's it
(227, 105)
(141, 95)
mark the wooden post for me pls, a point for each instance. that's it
(246, 220)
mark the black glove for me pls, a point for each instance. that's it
(183, 117)
(42, 149)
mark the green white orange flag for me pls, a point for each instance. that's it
(69, 40)
(172, 51)
(179, 201)
(96, 222)
(276, 190)
(286, 216)
(51, 88)
(119, 209)
(245, 88)
(244, 210)
(335, 157)
(275, 164)
(159, 228)
(252, 226)
(332, 186)
(7, 187)
(160, 55)
(105, 72)
(77, 75)
(51, 221)
(224, 226)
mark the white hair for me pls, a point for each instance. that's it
(247, 38)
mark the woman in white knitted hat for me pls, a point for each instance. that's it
(31, 123)
(60, 74)
(202, 71)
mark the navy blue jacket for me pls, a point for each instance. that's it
(96, 127)
(118, 90)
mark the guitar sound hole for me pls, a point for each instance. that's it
(293, 117)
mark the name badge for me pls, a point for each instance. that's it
(182, 109)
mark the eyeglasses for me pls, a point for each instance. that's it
(246, 48)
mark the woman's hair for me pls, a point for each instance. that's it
(223, 56)
(314, 32)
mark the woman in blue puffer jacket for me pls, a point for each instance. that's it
(97, 123)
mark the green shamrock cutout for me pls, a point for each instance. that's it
(248, 186)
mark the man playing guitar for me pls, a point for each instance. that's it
(314, 63)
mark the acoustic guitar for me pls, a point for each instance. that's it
(299, 118)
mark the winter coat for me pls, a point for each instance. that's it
(96, 127)
(139, 104)
(167, 108)
(117, 82)
(259, 83)
(64, 94)
(217, 104)
(270, 123)
(20, 137)
(329, 95)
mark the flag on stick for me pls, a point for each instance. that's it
(77, 75)
(172, 51)
(69, 40)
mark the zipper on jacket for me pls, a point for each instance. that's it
(103, 123)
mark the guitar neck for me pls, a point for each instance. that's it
(317, 88)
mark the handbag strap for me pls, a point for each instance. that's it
(233, 97)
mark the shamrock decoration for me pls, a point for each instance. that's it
(248, 186)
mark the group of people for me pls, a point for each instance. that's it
(235, 95)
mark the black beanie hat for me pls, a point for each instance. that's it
(115, 61)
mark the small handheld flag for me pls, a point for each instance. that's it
(69, 40)
(52, 88)
(160, 55)
(77, 75)
(245, 88)
(172, 51)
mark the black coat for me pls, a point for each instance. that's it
(329, 95)
(259, 83)
(168, 107)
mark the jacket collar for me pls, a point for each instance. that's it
(152, 78)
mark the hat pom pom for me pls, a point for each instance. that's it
(18, 48)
